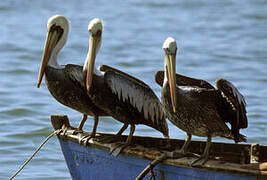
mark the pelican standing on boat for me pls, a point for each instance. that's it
(65, 83)
(125, 98)
(198, 108)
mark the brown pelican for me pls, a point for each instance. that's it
(197, 107)
(124, 97)
(65, 83)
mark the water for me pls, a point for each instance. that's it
(224, 39)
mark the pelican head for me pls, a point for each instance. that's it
(170, 48)
(56, 37)
(95, 28)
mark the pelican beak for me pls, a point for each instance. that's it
(52, 38)
(93, 44)
(171, 62)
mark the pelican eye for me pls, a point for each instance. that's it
(169, 52)
(98, 33)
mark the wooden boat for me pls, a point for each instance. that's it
(93, 161)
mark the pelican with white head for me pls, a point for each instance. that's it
(170, 48)
(57, 34)
(95, 29)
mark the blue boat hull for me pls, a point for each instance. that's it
(90, 162)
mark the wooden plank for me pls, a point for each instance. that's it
(89, 162)
(225, 157)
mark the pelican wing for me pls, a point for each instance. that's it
(138, 94)
(236, 99)
(75, 73)
(105, 68)
(183, 81)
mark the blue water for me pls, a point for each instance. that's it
(226, 39)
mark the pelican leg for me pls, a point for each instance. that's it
(205, 156)
(80, 128)
(183, 151)
(124, 127)
(116, 149)
(114, 138)
(184, 148)
(236, 129)
(130, 137)
(95, 126)
(84, 140)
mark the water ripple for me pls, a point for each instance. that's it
(213, 42)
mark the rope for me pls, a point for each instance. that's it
(35, 152)
(150, 167)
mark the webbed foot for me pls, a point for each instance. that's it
(199, 161)
(117, 148)
(179, 154)
(85, 139)
(204, 157)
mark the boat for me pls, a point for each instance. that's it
(92, 160)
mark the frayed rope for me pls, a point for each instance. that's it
(56, 132)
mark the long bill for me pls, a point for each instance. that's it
(171, 62)
(91, 61)
(52, 38)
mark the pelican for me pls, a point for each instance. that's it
(198, 108)
(65, 83)
(127, 99)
